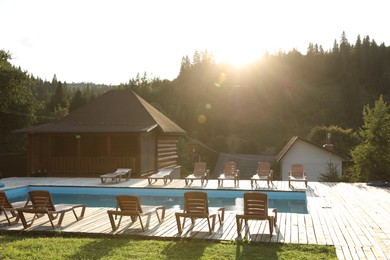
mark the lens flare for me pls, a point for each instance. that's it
(221, 79)
(202, 119)
(208, 106)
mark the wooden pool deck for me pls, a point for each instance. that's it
(355, 218)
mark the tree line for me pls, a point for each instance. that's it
(237, 110)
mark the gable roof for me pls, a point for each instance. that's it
(294, 139)
(114, 111)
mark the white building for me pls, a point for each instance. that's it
(315, 158)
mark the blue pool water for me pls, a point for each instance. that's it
(293, 202)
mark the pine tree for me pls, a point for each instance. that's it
(372, 157)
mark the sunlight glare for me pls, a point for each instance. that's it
(239, 56)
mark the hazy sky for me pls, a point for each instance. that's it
(109, 41)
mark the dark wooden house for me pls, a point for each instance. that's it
(118, 129)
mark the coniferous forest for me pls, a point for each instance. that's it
(235, 110)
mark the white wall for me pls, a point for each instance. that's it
(314, 159)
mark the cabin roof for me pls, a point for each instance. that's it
(294, 139)
(114, 111)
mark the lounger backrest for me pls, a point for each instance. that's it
(230, 168)
(123, 170)
(200, 168)
(41, 199)
(263, 168)
(297, 170)
(4, 202)
(196, 202)
(255, 203)
(128, 203)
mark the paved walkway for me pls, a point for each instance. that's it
(355, 218)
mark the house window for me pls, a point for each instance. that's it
(64, 146)
(124, 145)
(93, 146)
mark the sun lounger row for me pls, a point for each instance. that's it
(195, 206)
(230, 172)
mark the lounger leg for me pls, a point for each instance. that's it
(271, 225)
(23, 219)
(15, 215)
(81, 216)
(221, 215)
(238, 223)
(112, 221)
(179, 227)
(211, 227)
(275, 210)
(140, 221)
(162, 208)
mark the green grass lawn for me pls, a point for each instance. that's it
(60, 246)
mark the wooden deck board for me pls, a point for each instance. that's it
(352, 217)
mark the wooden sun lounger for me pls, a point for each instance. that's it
(297, 173)
(230, 172)
(200, 173)
(264, 172)
(7, 207)
(256, 208)
(117, 175)
(196, 206)
(164, 174)
(129, 205)
(42, 203)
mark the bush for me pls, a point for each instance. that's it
(331, 175)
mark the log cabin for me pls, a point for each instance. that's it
(118, 129)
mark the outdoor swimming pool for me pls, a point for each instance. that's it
(290, 202)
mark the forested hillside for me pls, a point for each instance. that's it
(238, 110)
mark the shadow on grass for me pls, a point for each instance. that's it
(248, 250)
(99, 248)
(185, 249)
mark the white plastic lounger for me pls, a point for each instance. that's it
(117, 175)
(164, 174)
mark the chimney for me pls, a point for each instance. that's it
(328, 146)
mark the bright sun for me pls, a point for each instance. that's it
(238, 54)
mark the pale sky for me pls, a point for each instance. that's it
(110, 41)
